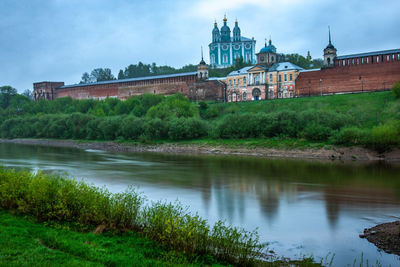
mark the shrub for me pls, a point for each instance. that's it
(186, 128)
(173, 106)
(317, 132)
(385, 137)
(132, 127)
(156, 129)
(110, 128)
(396, 89)
(351, 136)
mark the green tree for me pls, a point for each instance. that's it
(6, 94)
(85, 78)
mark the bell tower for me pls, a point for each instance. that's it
(329, 53)
(202, 68)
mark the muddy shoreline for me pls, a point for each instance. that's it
(335, 154)
(385, 236)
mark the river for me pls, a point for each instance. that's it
(301, 208)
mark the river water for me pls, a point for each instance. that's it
(301, 208)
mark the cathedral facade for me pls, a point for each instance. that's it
(225, 49)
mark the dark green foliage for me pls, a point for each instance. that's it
(97, 75)
(144, 70)
(156, 129)
(6, 94)
(132, 127)
(173, 106)
(186, 128)
(110, 128)
(396, 89)
(317, 132)
(51, 198)
(351, 136)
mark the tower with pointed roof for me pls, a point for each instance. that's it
(226, 49)
(329, 53)
(202, 68)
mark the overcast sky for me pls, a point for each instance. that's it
(58, 40)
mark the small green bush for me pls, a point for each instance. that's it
(386, 136)
(317, 132)
(396, 89)
(186, 128)
(351, 136)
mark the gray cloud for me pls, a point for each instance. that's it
(61, 39)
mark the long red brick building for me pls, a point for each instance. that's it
(365, 72)
(194, 85)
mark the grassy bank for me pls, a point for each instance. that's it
(369, 120)
(50, 198)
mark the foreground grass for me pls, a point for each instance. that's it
(26, 243)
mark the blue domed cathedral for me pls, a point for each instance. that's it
(225, 48)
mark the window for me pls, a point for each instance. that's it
(387, 58)
(244, 80)
(234, 81)
(225, 59)
(280, 78)
(272, 59)
(377, 59)
(362, 60)
(392, 57)
(285, 77)
(367, 60)
(270, 78)
(352, 61)
(230, 82)
(344, 62)
(358, 61)
(291, 77)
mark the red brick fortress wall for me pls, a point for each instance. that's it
(350, 75)
(125, 89)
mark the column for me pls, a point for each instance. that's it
(219, 59)
(231, 53)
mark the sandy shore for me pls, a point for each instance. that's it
(341, 154)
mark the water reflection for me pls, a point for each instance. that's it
(301, 207)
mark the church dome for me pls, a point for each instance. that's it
(236, 32)
(225, 32)
(270, 48)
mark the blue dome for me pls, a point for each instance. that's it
(270, 48)
(225, 28)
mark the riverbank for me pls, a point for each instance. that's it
(318, 153)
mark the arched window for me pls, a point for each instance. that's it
(328, 60)
(272, 58)
(212, 59)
